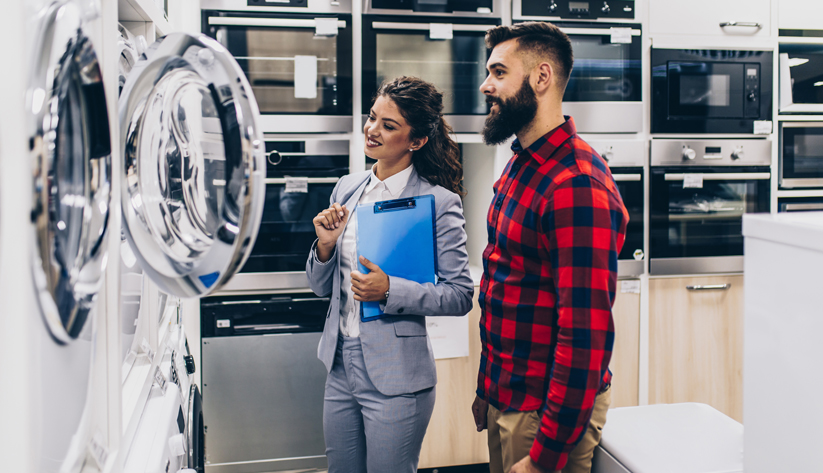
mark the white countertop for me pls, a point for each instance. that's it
(802, 229)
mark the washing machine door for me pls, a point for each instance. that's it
(194, 165)
(71, 152)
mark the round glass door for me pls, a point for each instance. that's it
(71, 152)
(194, 164)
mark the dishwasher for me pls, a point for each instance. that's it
(262, 382)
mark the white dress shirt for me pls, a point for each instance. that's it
(375, 191)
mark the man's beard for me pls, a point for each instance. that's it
(512, 115)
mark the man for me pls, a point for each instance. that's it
(556, 226)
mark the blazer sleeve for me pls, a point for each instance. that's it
(321, 275)
(452, 295)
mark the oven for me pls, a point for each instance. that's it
(801, 155)
(300, 177)
(800, 204)
(625, 159)
(446, 49)
(800, 69)
(297, 57)
(573, 9)
(699, 191)
(711, 91)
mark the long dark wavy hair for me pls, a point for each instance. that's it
(438, 161)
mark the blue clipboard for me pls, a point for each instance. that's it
(399, 236)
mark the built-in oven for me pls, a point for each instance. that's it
(711, 91)
(625, 159)
(402, 37)
(300, 177)
(800, 69)
(800, 204)
(297, 55)
(574, 9)
(801, 155)
(699, 191)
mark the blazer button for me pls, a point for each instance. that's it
(400, 310)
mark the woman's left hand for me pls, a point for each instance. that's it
(372, 286)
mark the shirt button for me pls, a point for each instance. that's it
(400, 310)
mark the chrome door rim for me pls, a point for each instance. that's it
(69, 222)
(192, 244)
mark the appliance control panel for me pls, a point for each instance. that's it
(712, 152)
(752, 90)
(578, 10)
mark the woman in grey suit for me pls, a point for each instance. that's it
(380, 387)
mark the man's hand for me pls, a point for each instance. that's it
(369, 287)
(527, 465)
(480, 411)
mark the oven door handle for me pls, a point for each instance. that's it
(312, 180)
(389, 25)
(627, 177)
(268, 22)
(593, 31)
(803, 206)
(725, 176)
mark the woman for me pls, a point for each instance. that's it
(380, 387)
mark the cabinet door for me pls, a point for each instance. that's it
(800, 14)
(696, 342)
(704, 17)
(626, 352)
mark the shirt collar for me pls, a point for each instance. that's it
(394, 184)
(545, 146)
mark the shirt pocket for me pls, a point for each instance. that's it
(410, 326)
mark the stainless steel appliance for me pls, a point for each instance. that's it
(800, 69)
(799, 204)
(297, 55)
(710, 91)
(574, 9)
(447, 49)
(801, 154)
(262, 382)
(699, 191)
(625, 159)
(301, 174)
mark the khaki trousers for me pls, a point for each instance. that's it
(511, 435)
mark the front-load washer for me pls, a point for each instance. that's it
(70, 150)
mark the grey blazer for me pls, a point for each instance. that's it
(397, 349)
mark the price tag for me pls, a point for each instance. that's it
(762, 127)
(305, 77)
(223, 323)
(441, 31)
(325, 26)
(159, 379)
(297, 184)
(630, 287)
(621, 35)
(692, 181)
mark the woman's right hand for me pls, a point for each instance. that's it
(329, 225)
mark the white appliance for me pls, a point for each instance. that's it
(782, 324)
(671, 438)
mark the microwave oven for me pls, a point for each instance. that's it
(801, 155)
(800, 77)
(710, 91)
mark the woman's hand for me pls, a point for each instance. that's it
(369, 287)
(329, 225)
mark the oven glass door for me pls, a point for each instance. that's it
(604, 71)
(630, 184)
(278, 53)
(805, 70)
(801, 157)
(708, 220)
(396, 46)
(706, 89)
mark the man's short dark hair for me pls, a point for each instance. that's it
(542, 40)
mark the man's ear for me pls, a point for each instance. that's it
(543, 75)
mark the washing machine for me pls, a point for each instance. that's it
(68, 139)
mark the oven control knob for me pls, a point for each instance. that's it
(688, 153)
(553, 7)
(608, 154)
(606, 8)
(738, 153)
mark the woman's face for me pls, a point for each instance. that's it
(387, 133)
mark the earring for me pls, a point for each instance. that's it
(411, 149)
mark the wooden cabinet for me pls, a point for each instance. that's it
(625, 360)
(696, 342)
(704, 18)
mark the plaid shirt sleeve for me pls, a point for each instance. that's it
(583, 227)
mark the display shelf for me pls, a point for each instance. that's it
(145, 11)
(800, 193)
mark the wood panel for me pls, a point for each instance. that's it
(696, 343)
(452, 438)
(625, 362)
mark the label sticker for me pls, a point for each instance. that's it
(762, 127)
(305, 77)
(159, 379)
(325, 26)
(638, 255)
(630, 287)
(621, 35)
(297, 184)
(441, 31)
(692, 181)
(223, 323)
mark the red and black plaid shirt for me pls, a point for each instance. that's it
(556, 226)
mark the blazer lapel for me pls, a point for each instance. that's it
(351, 204)
(412, 186)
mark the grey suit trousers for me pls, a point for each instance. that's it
(365, 430)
